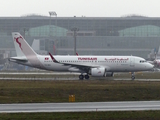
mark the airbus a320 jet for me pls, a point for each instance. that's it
(97, 66)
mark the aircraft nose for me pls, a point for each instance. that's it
(150, 66)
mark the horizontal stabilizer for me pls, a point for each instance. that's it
(18, 59)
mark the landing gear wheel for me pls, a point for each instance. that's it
(133, 77)
(81, 77)
(86, 77)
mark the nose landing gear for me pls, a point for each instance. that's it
(133, 76)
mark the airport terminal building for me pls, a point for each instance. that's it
(130, 35)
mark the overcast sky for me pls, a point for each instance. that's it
(88, 8)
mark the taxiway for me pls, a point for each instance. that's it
(80, 107)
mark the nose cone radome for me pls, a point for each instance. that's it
(149, 66)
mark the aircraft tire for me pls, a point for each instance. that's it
(133, 77)
(81, 77)
(86, 77)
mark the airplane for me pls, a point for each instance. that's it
(96, 66)
(154, 58)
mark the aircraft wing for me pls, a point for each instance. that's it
(83, 67)
(80, 66)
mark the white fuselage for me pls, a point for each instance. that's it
(110, 63)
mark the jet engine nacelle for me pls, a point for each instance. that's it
(157, 62)
(100, 72)
(97, 72)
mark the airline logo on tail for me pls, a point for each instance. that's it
(17, 40)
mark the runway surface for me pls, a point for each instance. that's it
(73, 78)
(39, 73)
(57, 76)
(32, 78)
(80, 107)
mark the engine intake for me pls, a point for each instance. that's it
(97, 72)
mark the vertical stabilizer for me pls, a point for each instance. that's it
(21, 46)
(24, 50)
(158, 51)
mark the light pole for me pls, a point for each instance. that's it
(53, 13)
(25, 30)
(75, 35)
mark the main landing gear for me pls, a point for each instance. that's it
(132, 76)
(81, 77)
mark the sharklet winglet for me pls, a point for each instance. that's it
(76, 53)
(53, 59)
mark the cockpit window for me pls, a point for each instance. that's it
(142, 61)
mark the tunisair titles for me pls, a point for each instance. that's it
(95, 58)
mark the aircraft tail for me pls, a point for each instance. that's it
(25, 54)
(21, 46)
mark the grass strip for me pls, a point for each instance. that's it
(122, 115)
(84, 91)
